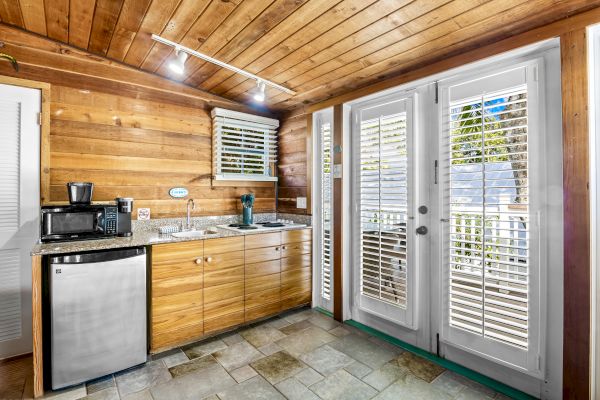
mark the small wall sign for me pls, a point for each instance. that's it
(143, 213)
(178, 192)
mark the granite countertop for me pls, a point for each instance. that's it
(139, 238)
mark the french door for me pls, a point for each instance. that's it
(384, 259)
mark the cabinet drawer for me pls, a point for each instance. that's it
(295, 288)
(262, 311)
(223, 307)
(223, 245)
(176, 302)
(296, 300)
(295, 275)
(296, 249)
(296, 262)
(298, 235)
(262, 283)
(172, 252)
(176, 269)
(214, 276)
(174, 320)
(255, 241)
(225, 260)
(181, 335)
(214, 294)
(164, 287)
(224, 322)
(263, 254)
(261, 269)
(262, 298)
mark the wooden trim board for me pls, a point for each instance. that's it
(36, 302)
(338, 224)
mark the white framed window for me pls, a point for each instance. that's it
(244, 146)
(493, 196)
(323, 139)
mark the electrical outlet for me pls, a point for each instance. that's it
(300, 202)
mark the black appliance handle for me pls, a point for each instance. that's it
(98, 256)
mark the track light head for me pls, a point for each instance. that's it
(178, 65)
(259, 92)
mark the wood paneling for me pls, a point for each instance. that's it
(132, 143)
(319, 48)
(36, 300)
(293, 163)
(577, 273)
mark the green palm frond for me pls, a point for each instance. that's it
(12, 60)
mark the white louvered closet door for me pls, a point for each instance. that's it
(323, 136)
(492, 202)
(19, 210)
(385, 271)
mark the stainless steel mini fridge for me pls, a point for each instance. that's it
(98, 314)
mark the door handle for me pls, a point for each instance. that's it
(422, 230)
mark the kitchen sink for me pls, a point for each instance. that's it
(195, 233)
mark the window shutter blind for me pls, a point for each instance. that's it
(383, 208)
(326, 209)
(244, 146)
(489, 217)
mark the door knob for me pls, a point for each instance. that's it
(198, 261)
(208, 259)
(422, 230)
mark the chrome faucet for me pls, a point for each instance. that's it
(188, 223)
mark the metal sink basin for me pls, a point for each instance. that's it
(196, 233)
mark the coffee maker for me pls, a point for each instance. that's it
(124, 208)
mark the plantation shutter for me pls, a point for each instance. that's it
(489, 244)
(326, 208)
(244, 146)
(384, 201)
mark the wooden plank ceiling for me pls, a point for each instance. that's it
(319, 48)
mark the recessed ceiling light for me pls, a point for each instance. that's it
(178, 65)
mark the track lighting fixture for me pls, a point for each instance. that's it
(178, 65)
(259, 92)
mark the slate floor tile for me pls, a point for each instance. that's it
(277, 323)
(262, 335)
(150, 374)
(298, 315)
(70, 393)
(419, 367)
(195, 385)
(293, 389)
(343, 386)
(305, 341)
(278, 366)
(143, 395)
(204, 348)
(173, 358)
(193, 365)
(358, 369)
(486, 391)
(243, 374)
(110, 393)
(100, 384)
(446, 383)
(471, 394)
(339, 331)
(326, 360)
(363, 350)
(323, 321)
(231, 338)
(296, 327)
(308, 376)
(384, 376)
(269, 349)
(410, 387)
(256, 388)
(237, 355)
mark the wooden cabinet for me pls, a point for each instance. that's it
(223, 283)
(296, 268)
(176, 294)
(202, 287)
(263, 275)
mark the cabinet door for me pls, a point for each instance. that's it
(296, 268)
(176, 308)
(223, 283)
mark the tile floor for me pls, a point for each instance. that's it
(301, 355)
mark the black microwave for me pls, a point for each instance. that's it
(78, 222)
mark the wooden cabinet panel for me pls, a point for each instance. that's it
(176, 269)
(176, 327)
(223, 245)
(165, 287)
(214, 294)
(263, 254)
(262, 283)
(296, 300)
(255, 241)
(295, 288)
(171, 252)
(215, 277)
(224, 260)
(176, 302)
(295, 275)
(295, 249)
(168, 339)
(227, 321)
(263, 268)
(223, 307)
(296, 262)
(263, 297)
(299, 235)
(263, 311)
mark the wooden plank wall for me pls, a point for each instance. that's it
(292, 162)
(136, 138)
